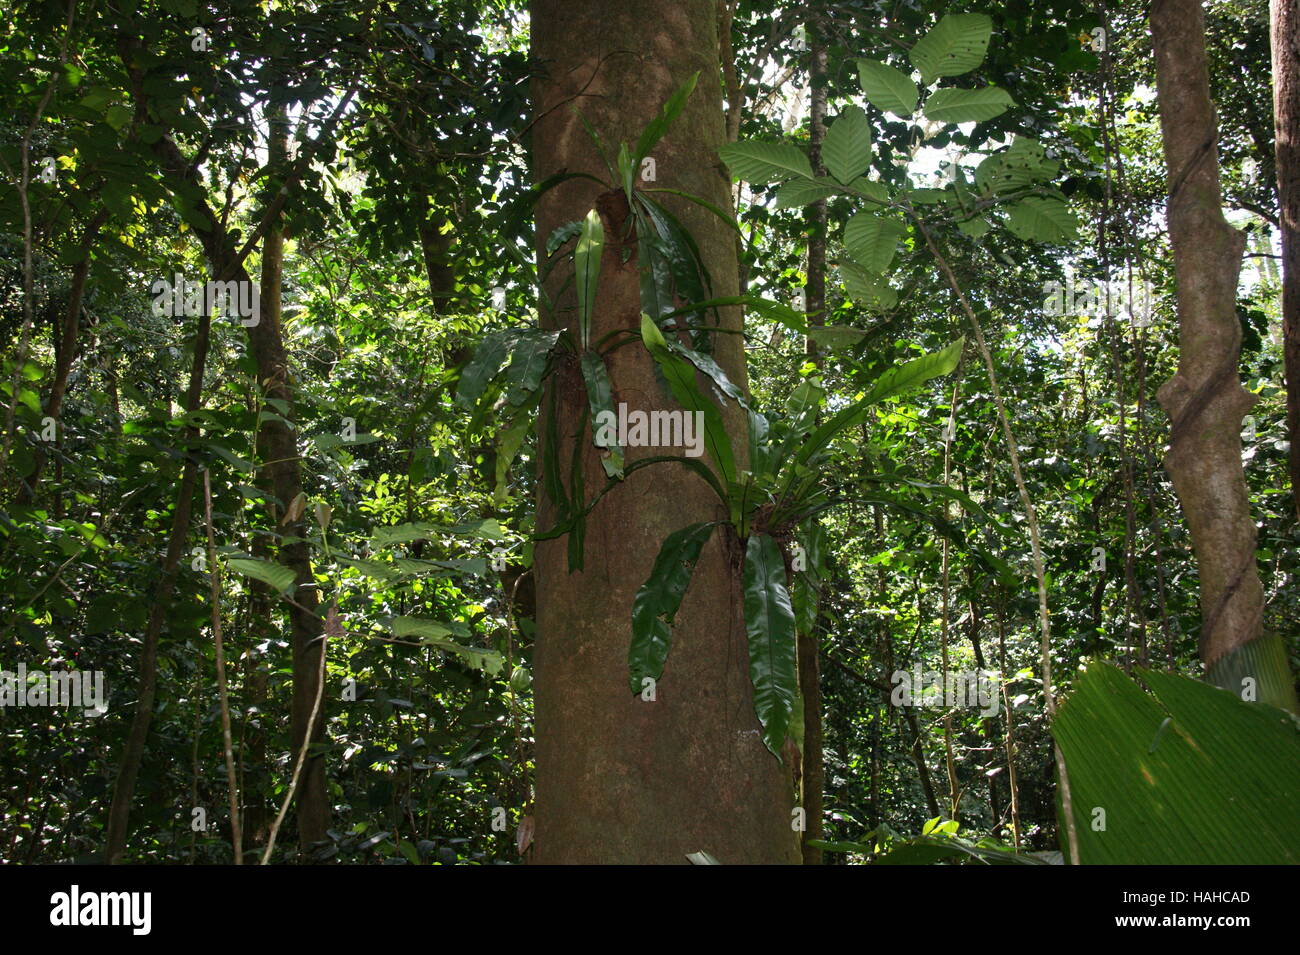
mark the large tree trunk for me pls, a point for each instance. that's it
(1286, 144)
(1205, 400)
(619, 779)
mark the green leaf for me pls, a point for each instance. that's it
(680, 376)
(872, 240)
(586, 265)
(1021, 165)
(600, 397)
(485, 365)
(1038, 219)
(423, 627)
(798, 193)
(508, 444)
(765, 162)
(836, 337)
(864, 289)
(846, 151)
(769, 623)
(656, 128)
(701, 858)
(658, 599)
(955, 45)
(277, 576)
(528, 361)
(967, 106)
(1187, 774)
(887, 88)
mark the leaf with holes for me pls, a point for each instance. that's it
(955, 45)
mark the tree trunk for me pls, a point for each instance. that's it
(1205, 400)
(278, 447)
(1286, 145)
(620, 779)
(814, 763)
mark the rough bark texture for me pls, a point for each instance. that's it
(1286, 144)
(1205, 400)
(619, 779)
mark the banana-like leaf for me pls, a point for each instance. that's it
(586, 265)
(680, 375)
(656, 128)
(892, 382)
(658, 599)
(1187, 774)
(600, 397)
(769, 623)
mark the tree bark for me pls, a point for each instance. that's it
(619, 779)
(1205, 400)
(1285, 16)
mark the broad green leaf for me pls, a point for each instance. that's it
(765, 162)
(887, 88)
(658, 599)
(846, 150)
(872, 239)
(769, 623)
(974, 227)
(600, 398)
(836, 337)
(586, 265)
(1187, 774)
(1021, 165)
(798, 193)
(967, 106)
(680, 376)
(277, 576)
(866, 289)
(1039, 219)
(528, 361)
(508, 444)
(486, 364)
(424, 627)
(955, 45)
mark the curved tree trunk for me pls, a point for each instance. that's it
(619, 779)
(1205, 400)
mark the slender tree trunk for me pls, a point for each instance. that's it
(280, 472)
(1286, 144)
(621, 779)
(814, 763)
(119, 810)
(67, 349)
(1205, 400)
